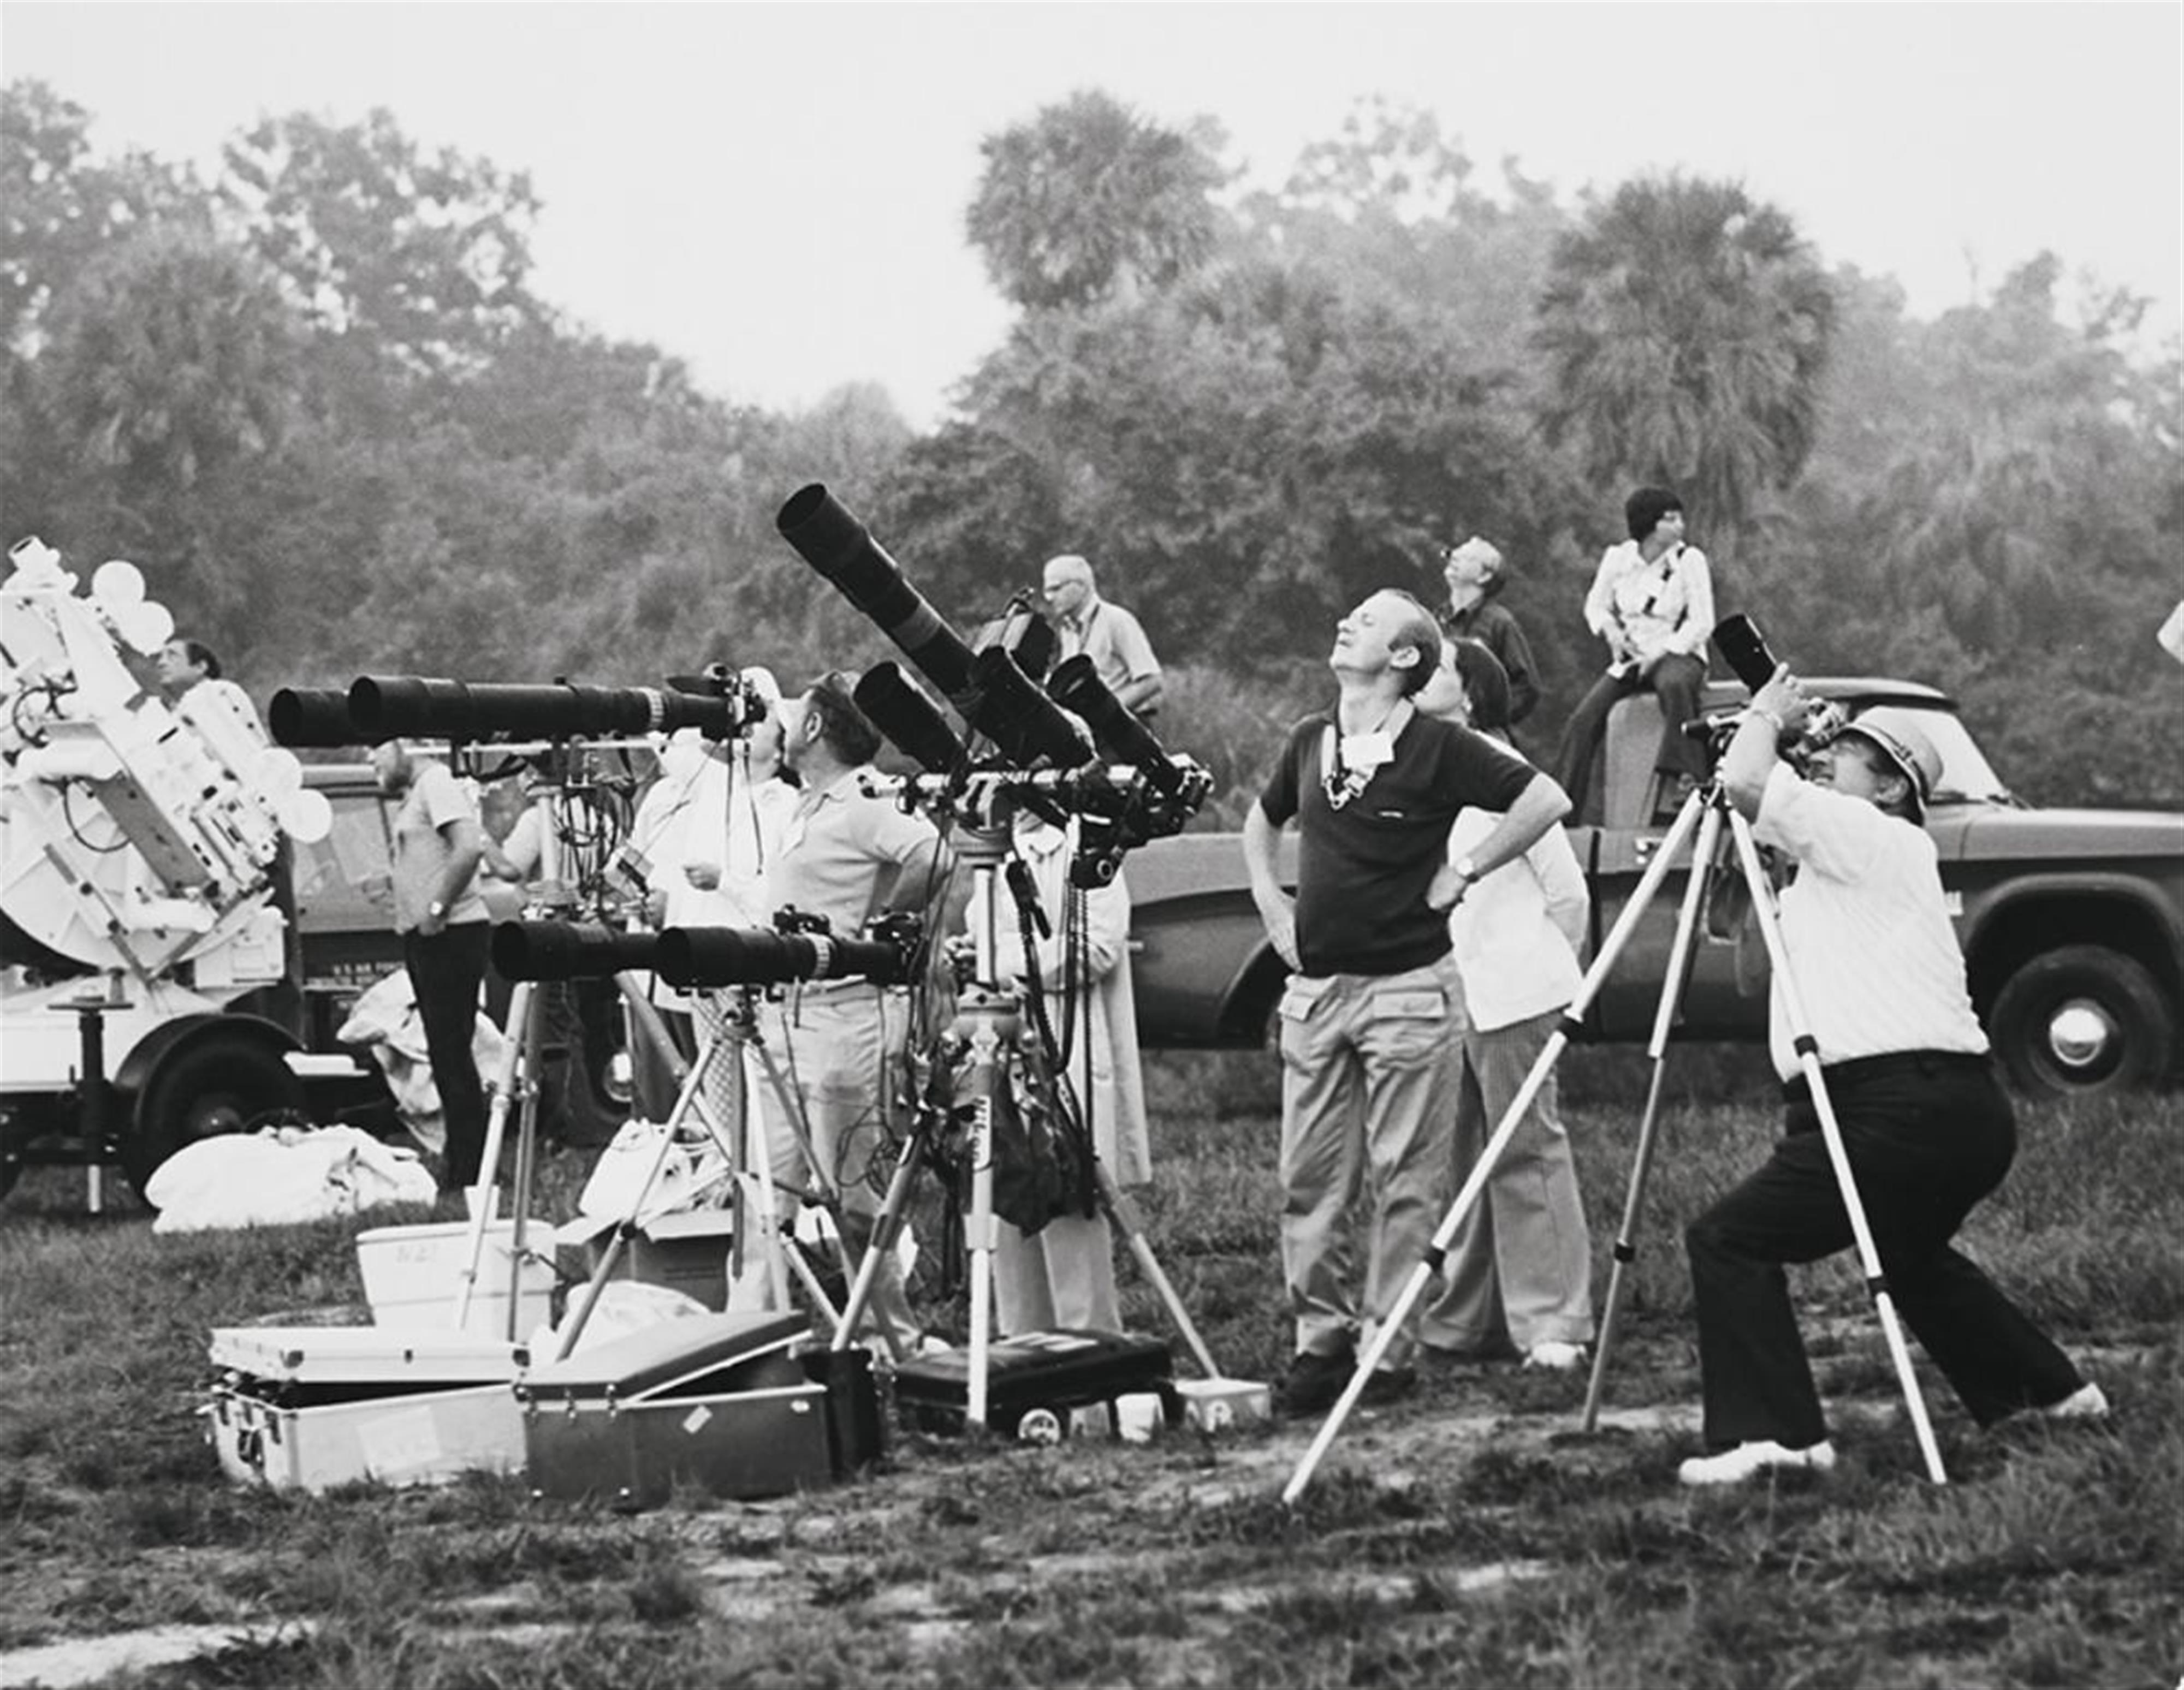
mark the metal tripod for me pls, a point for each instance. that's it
(1705, 813)
(989, 1019)
(759, 1216)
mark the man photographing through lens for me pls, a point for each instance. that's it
(848, 856)
(1925, 1126)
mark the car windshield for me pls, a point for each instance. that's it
(1967, 777)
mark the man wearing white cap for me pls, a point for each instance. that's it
(1926, 1124)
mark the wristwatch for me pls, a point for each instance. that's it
(435, 910)
(1468, 868)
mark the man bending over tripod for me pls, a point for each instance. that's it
(1925, 1125)
(1368, 1034)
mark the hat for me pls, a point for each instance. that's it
(1904, 743)
(759, 678)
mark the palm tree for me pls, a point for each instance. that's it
(1087, 201)
(172, 359)
(1685, 327)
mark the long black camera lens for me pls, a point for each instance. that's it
(827, 536)
(1744, 649)
(313, 716)
(1012, 711)
(386, 706)
(906, 716)
(736, 956)
(1076, 686)
(569, 950)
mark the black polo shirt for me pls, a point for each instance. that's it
(1362, 870)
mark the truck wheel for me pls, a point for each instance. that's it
(584, 1018)
(2082, 1021)
(211, 1085)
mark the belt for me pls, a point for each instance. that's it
(832, 988)
(1892, 1065)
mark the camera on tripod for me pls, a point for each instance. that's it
(1744, 649)
(717, 701)
(1048, 746)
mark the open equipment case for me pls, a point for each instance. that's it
(309, 1407)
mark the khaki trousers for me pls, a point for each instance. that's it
(1368, 1108)
(1521, 1261)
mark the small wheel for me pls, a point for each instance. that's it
(2082, 1021)
(1040, 1426)
(217, 1084)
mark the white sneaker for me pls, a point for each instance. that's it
(1734, 1466)
(1557, 1357)
(2086, 1403)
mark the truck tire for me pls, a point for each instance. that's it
(220, 1082)
(2081, 1021)
(583, 1022)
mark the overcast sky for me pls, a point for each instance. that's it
(776, 193)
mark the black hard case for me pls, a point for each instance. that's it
(1057, 1370)
(721, 1403)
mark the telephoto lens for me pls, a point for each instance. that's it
(1744, 649)
(906, 716)
(388, 707)
(1076, 685)
(569, 950)
(313, 716)
(827, 536)
(754, 956)
(1017, 716)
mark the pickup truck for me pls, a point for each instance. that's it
(2071, 920)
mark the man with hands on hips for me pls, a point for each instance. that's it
(1926, 1127)
(1368, 1022)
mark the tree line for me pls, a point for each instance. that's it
(319, 399)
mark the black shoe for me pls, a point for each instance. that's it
(1492, 1354)
(1387, 1384)
(1314, 1382)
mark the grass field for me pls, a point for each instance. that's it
(1469, 1536)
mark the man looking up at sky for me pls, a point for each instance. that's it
(1368, 1024)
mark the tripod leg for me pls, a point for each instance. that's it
(1610, 948)
(522, 1009)
(686, 1100)
(526, 1165)
(1124, 1213)
(886, 1229)
(1673, 983)
(1809, 1060)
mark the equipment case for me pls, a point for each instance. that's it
(308, 1407)
(1034, 1380)
(722, 1402)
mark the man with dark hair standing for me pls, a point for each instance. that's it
(1652, 602)
(849, 857)
(445, 930)
(188, 667)
(1926, 1127)
(1475, 574)
(1368, 1023)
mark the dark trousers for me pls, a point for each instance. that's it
(1676, 682)
(447, 970)
(1928, 1135)
(653, 1074)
